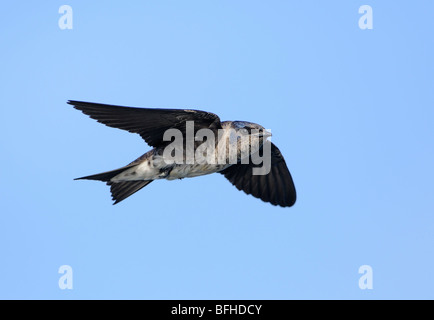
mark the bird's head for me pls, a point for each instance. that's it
(244, 128)
(247, 136)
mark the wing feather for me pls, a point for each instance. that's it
(149, 123)
(276, 187)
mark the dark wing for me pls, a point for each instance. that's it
(149, 123)
(275, 187)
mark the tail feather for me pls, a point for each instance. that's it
(119, 190)
(105, 176)
(122, 190)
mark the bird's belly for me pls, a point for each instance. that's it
(194, 170)
(156, 168)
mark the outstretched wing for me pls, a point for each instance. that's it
(149, 123)
(275, 187)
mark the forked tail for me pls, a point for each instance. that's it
(119, 190)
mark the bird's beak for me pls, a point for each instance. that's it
(266, 133)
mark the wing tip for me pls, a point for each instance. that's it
(79, 105)
(73, 102)
(288, 204)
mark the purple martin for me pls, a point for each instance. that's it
(152, 124)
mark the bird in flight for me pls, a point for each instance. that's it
(158, 127)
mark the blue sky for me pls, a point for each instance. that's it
(351, 110)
